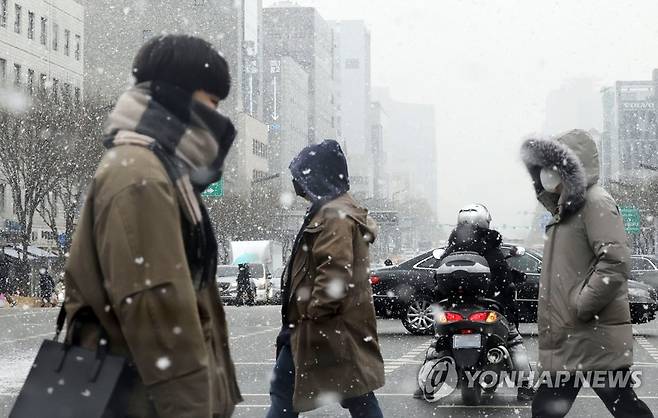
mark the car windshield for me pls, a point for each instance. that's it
(227, 271)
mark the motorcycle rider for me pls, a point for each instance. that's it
(473, 234)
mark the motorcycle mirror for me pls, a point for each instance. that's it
(517, 252)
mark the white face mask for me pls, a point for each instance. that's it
(550, 179)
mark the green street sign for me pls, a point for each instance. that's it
(632, 220)
(215, 189)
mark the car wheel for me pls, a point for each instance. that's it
(417, 316)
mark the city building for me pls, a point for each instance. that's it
(117, 29)
(42, 47)
(303, 35)
(286, 104)
(629, 142)
(352, 58)
(410, 148)
(379, 125)
(248, 159)
(41, 54)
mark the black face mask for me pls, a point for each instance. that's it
(298, 189)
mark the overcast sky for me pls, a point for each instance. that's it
(488, 66)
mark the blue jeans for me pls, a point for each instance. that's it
(282, 388)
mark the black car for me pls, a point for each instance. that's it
(644, 268)
(408, 291)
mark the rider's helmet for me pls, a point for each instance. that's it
(475, 214)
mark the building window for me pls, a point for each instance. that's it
(200, 2)
(352, 64)
(17, 19)
(67, 42)
(17, 75)
(55, 36)
(30, 25)
(3, 70)
(77, 95)
(258, 175)
(44, 31)
(3, 13)
(30, 81)
(146, 35)
(259, 149)
(78, 47)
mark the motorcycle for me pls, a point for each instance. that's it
(470, 351)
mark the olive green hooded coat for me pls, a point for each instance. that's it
(584, 317)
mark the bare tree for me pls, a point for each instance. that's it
(27, 163)
(78, 152)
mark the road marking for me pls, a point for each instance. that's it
(252, 334)
(392, 365)
(33, 337)
(648, 347)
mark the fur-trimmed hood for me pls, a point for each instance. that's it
(575, 157)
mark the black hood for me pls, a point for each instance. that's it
(321, 171)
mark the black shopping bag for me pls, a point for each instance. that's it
(68, 381)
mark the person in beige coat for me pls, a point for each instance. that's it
(328, 350)
(583, 316)
(143, 258)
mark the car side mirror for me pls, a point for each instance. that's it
(388, 262)
(437, 254)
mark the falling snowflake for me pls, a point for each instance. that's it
(139, 260)
(163, 363)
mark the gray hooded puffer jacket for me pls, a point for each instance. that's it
(583, 318)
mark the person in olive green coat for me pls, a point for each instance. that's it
(143, 258)
(584, 319)
(328, 350)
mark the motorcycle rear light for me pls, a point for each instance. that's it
(447, 317)
(466, 331)
(374, 280)
(485, 316)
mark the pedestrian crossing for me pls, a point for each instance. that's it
(411, 357)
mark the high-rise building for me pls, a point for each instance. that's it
(286, 102)
(42, 47)
(303, 35)
(630, 138)
(352, 58)
(117, 29)
(410, 147)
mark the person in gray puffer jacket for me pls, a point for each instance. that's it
(584, 318)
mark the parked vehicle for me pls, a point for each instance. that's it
(471, 331)
(263, 258)
(275, 288)
(644, 268)
(227, 282)
(408, 290)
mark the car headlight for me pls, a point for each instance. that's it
(639, 293)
